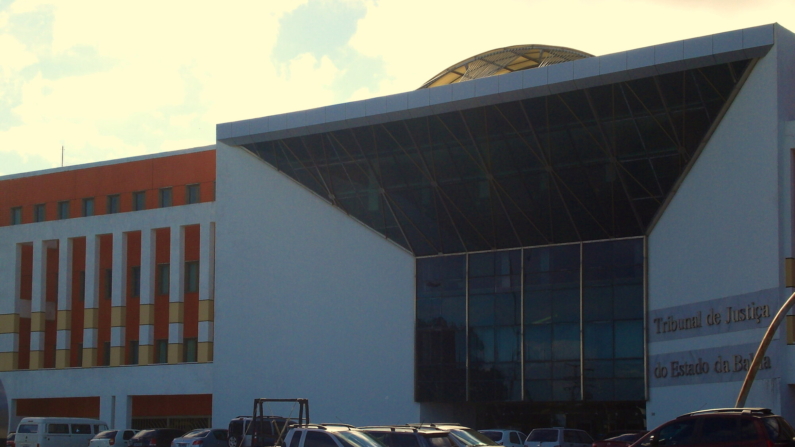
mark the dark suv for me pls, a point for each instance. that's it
(730, 427)
(403, 436)
(158, 437)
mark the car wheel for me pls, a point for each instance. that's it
(232, 441)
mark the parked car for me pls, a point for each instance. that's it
(10, 440)
(57, 432)
(558, 436)
(158, 437)
(205, 437)
(723, 427)
(508, 438)
(108, 438)
(620, 441)
(459, 435)
(402, 436)
(328, 435)
(241, 431)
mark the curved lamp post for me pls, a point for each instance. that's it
(760, 352)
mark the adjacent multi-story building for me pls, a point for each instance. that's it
(535, 236)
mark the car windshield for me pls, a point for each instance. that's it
(106, 434)
(198, 433)
(493, 435)
(28, 428)
(543, 436)
(439, 441)
(144, 434)
(471, 437)
(357, 439)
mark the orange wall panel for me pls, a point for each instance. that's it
(76, 407)
(133, 311)
(172, 405)
(98, 182)
(78, 304)
(105, 264)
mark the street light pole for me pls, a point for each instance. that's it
(760, 352)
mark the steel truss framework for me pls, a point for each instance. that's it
(589, 164)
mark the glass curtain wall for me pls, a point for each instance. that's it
(549, 324)
(441, 329)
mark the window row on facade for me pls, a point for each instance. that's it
(110, 204)
(137, 297)
(555, 323)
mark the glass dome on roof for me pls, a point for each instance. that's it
(504, 60)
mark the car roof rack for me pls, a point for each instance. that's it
(325, 426)
(764, 411)
(414, 428)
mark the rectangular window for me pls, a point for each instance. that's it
(63, 210)
(113, 204)
(106, 352)
(190, 350)
(81, 429)
(135, 281)
(161, 351)
(82, 285)
(192, 276)
(108, 283)
(16, 215)
(79, 355)
(38, 213)
(88, 207)
(139, 200)
(165, 197)
(132, 353)
(163, 279)
(192, 194)
(59, 429)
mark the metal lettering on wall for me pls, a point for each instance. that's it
(730, 314)
(723, 364)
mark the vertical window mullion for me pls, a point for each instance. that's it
(521, 323)
(466, 316)
(645, 320)
(582, 342)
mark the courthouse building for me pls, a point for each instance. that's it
(536, 236)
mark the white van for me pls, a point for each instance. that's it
(57, 432)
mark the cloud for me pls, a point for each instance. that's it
(418, 39)
(112, 79)
(323, 29)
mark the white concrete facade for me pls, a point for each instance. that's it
(310, 303)
(725, 234)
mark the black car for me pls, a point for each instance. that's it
(158, 437)
(723, 427)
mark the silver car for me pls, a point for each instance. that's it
(558, 437)
(202, 437)
(112, 438)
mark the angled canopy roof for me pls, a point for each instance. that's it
(576, 151)
(504, 60)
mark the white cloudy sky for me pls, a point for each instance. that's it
(110, 79)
